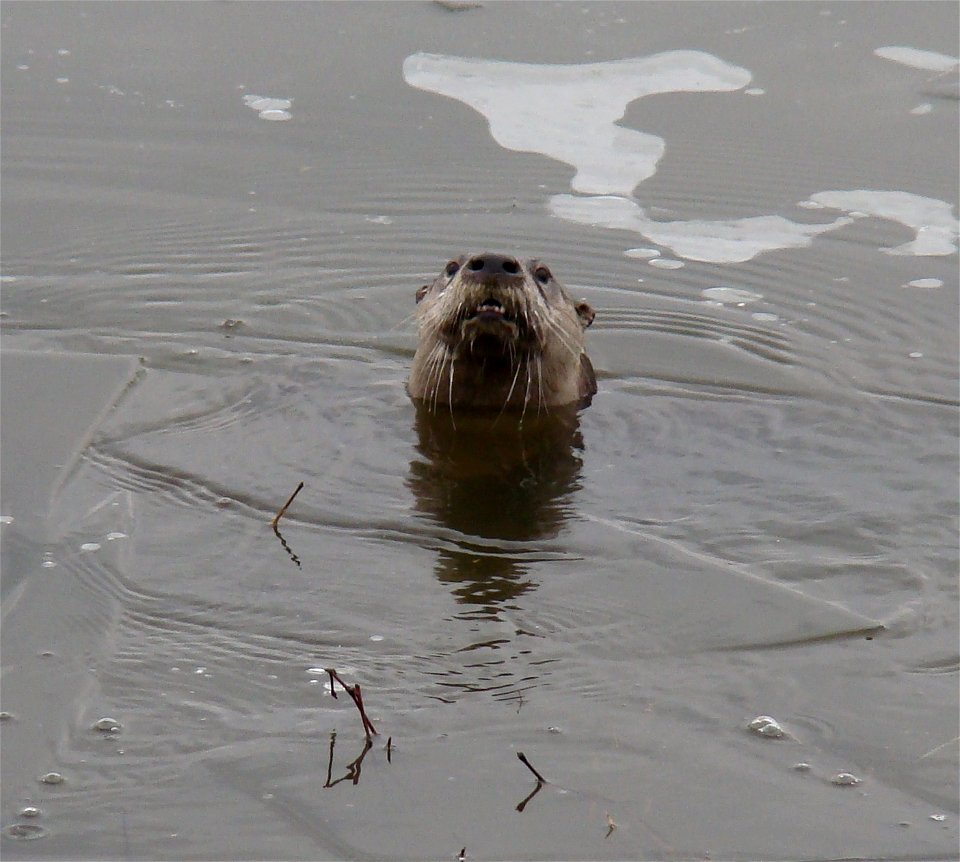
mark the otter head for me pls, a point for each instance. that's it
(500, 333)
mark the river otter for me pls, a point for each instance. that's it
(498, 333)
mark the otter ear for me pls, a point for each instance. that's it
(422, 292)
(585, 312)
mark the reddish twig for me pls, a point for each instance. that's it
(357, 697)
(286, 506)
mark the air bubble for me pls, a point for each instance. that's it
(764, 725)
(25, 831)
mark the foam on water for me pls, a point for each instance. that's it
(720, 241)
(917, 58)
(933, 220)
(579, 104)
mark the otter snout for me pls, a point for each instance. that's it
(487, 267)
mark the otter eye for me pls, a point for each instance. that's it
(451, 269)
(542, 274)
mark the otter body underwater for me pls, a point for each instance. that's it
(498, 333)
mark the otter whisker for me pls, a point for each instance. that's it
(513, 384)
(450, 395)
(562, 338)
(539, 386)
(434, 368)
(438, 375)
(526, 396)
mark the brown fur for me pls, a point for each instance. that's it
(499, 333)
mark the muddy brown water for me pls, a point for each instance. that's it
(756, 516)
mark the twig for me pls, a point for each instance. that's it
(540, 780)
(939, 747)
(523, 759)
(285, 506)
(389, 748)
(611, 825)
(357, 698)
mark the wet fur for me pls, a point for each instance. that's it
(525, 351)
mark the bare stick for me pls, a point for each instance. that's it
(939, 747)
(286, 506)
(523, 759)
(357, 698)
(611, 825)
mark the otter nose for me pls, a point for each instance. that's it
(493, 264)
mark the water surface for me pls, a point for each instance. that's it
(757, 515)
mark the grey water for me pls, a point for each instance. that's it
(214, 220)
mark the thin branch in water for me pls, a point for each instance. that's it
(389, 748)
(611, 825)
(356, 696)
(523, 759)
(540, 780)
(939, 747)
(285, 506)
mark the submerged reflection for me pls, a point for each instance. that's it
(353, 768)
(497, 483)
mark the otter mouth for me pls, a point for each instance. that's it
(490, 310)
(488, 324)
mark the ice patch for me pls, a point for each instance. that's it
(642, 253)
(730, 294)
(932, 220)
(570, 112)
(730, 241)
(917, 58)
